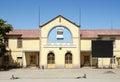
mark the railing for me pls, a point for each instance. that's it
(61, 44)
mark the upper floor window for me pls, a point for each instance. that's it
(19, 43)
(60, 33)
(6, 41)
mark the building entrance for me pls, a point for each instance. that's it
(32, 59)
(68, 60)
(85, 59)
(51, 60)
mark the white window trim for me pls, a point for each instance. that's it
(60, 35)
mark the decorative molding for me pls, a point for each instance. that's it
(60, 45)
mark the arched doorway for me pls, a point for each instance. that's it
(68, 60)
(51, 60)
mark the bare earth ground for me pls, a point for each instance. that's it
(61, 75)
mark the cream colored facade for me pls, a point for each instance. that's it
(58, 44)
(28, 46)
(60, 48)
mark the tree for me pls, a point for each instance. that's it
(4, 28)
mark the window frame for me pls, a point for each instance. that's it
(19, 42)
(60, 33)
(68, 58)
(51, 58)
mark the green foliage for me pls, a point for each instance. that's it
(4, 28)
(2, 49)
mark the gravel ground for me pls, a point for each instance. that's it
(59, 75)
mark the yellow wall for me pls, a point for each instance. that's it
(59, 57)
(38, 44)
(104, 62)
(33, 45)
(60, 54)
(45, 30)
(27, 45)
(85, 44)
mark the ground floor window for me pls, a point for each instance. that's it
(68, 58)
(51, 58)
(19, 61)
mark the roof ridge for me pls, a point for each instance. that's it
(56, 18)
(101, 29)
(26, 29)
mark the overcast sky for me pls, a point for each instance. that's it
(95, 14)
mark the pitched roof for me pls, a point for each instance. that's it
(83, 33)
(88, 34)
(25, 33)
(96, 33)
(108, 32)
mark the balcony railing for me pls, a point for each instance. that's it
(61, 44)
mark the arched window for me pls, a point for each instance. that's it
(51, 58)
(59, 34)
(68, 58)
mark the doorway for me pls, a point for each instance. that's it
(68, 60)
(33, 60)
(19, 61)
(86, 61)
(51, 60)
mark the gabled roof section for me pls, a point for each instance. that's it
(61, 17)
(25, 33)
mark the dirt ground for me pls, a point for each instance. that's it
(60, 75)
